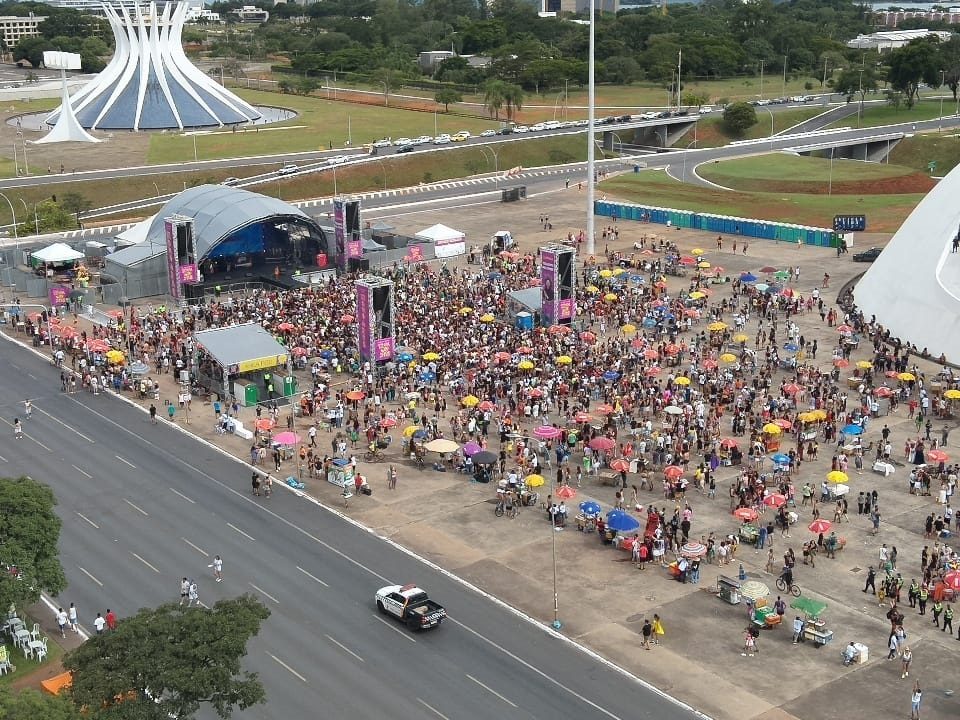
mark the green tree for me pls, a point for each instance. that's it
(75, 204)
(739, 117)
(494, 97)
(31, 704)
(170, 661)
(389, 78)
(692, 99)
(855, 81)
(916, 62)
(31, 49)
(29, 532)
(446, 96)
(513, 98)
(47, 216)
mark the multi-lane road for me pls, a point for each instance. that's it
(143, 505)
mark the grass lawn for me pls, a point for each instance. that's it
(884, 213)
(711, 133)
(917, 152)
(886, 114)
(26, 666)
(319, 123)
(777, 166)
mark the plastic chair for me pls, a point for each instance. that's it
(42, 651)
(35, 633)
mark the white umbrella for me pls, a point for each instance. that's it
(754, 590)
(673, 410)
(839, 489)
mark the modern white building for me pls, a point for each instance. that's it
(913, 288)
(251, 14)
(149, 84)
(14, 27)
(892, 39)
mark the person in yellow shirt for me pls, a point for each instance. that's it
(657, 629)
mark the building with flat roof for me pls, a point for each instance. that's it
(892, 39)
(15, 27)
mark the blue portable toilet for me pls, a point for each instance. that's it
(524, 321)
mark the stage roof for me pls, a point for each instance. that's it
(248, 347)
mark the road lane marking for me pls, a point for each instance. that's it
(83, 472)
(490, 690)
(344, 648)
(144, 561)
(394, 628)
(125, 461)
(63, 424)
(248, 537)
(84, 517)
(199, 550)
(3, 458)
(29, 436)
(139, 510)
(264, 593)
(90, 576)
(312, 577)
(432, 709)
(192, 502)
(286, 667)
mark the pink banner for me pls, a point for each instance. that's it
(189, 273)
(354, 249)
(59, 295)
(383, 349)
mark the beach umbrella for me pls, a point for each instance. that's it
(672, 349)
(98, 345)
(487, 318)
(693, 550)
(610, 297)
(486, 405)
(588, 337)
(938, 456)
(781, 459)
(819, 526)
(952, 579)
(355, 395)
(783, 423)
(952, 394)
(470, 401)
(728, 443)
(772, 429)
(762, 287)
(621, 521)
(906, 377)
(697, 295)
(709, 364)
(431, 356)
(484, 457)
(442, 445)
(748, 277)
(682, 380)
(775, 500)
(883, 392)
(564, 360)
(838, 490)
(844, 329)
(628, 329)
(728, 358)
(852, 430)
(611, 376)
(697, 251)
(534, 481)
(673, 472)
(841, 363)
(687, 260)
(754, 590)
(768, 269)
(264, 424)
(603, 443)
(837, 476)
(864, 364)
(565, 492)
(590, 507)
(781, 275)
(286, 438)
(592, 289)
(502, 356)
(547, 432)
(620, 465)
(559, 330)
(703, 264)
(792, 388)
(605, 273)
(470, 449)
(525, 365)
(791, 346)
(651, 354)
(115, 357)
(387, 423)
(673, 410)
(465, 310)
(717, 326)
(746, 514)
(604, 409)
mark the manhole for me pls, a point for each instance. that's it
(856, 569)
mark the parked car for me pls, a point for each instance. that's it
(867, 255)
(521, 129)
(488, 133)
(230, 181)
(505, 130)
(442, 139)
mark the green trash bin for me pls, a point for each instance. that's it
(251, 395)
(289, 386)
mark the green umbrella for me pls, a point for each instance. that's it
(782, 275)
(809, 606)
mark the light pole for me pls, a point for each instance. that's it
(496, 163)
(36, 220)
(591, 124)
(553, 538)
(16, 165)
(784, 76)
(194, 136)
(16, 236)
(761, 78)
(860, 109)
(940, 119)
(26, 165)
(830, 182)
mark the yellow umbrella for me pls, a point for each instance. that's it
(772, 429)
(703, 264)
(534, 480)
(952, 394)
(606, 273)
(470, 401)
(593, 289)
(728, 358)
(836, 476)
(618, 271)
(610, 297)
(697, 251)
(697, 295)
(487, 318)
(430, 356)
(525, 365)
(717, 326)
(740, 337)
(906, 376)
(115, 356)
(564, 360)
(806, 417)
(820, 414)
(864, 364)
(682, 380)
(410, 429)
(466, 310)
(628, 329)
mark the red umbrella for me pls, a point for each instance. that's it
(34, 316)
(524, 350)
(841, 363)
(728, 443)
(672, 349)
(891, 374)
(952, 579)
(588, 337)
(710, 364)
(746, 514)
(775, 500)
(653, 371)
(884, 392)
(820, 526)
(98, 345)
(502, 356)
(535, 393)
(637, 344)
(66, 331)
(559, 329)
(285, 326)
(792, 388)
(844, 329)
(768, 269)
(651, 354)
(582, 417)
(264, 424)
(346, 319)
(115, 314)
(547, 432)
(566, 492)
(687, 260)
(355, 395)
(388, 423)
(783, 423)
(673, 472)
(603, 443)
(486, 406)
(620, 465)
(604, 409)
(938, 456)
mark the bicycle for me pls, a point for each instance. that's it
(782, 587)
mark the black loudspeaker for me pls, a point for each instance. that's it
(184, 243)
(382, 312)
(564, 290)
(352, 217)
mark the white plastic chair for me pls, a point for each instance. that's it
(35, 633)
(42, 651)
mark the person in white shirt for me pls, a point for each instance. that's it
(99, 624)
(72, 614)
(217, 566)
(62, 622)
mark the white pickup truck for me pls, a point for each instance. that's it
(411, 605)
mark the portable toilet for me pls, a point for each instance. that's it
(524, 321)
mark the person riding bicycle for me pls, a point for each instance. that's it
(786, 575)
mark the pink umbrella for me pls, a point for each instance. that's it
(819, 526)
(775, 500)
(388, 423)
(603, 443)
(938, 456)
(672, 472)
(746, 514)
(566, 492)
(546, 432)
(620, 465)
(286, 438)
(884, 392)
(791, 388)
(471, 449)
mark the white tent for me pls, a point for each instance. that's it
(135, 234)
(447, 242)
(57, 253)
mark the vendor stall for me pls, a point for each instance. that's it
(240, 361)
(814, 629)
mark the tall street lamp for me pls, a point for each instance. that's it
(940, 119)
(591, 125)
(16, 236)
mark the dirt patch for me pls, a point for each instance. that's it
(904, 185)
(33, 679)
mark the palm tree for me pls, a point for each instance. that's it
(513, 97)
(494, 97)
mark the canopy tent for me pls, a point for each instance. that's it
(447, 241)
(808, 606)
(135, 234)
(242, 348)
(57, 253)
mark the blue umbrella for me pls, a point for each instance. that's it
(649, 323)
(494, 276)
(419, 434)
(405, 357)
(761, 287)
(773, 289)
(620, 521)
(781, 459)
(748, 277)
(852, 430)
(792, 347)
(611, 375)
(326, 354)
(428, 376)
(636, 279)
(341, 462)
(590, 507)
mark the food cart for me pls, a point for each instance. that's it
(815, 629)
(729, 589)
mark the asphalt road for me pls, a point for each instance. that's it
(144, 505)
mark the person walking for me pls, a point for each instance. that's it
(892, 645)
(948, 619)
(906, 658)
(392, 478)
(922, 598)
(193, 595)
(184, 591)
(27, 408)
(217, 566)
(255, 484)
(98, 624)
(915, 697)
(871, 580)
(153, 413)
(658, 631)
(646, 633)
(72, 616)
(17, 429)
(111, 619)
(62, 622)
